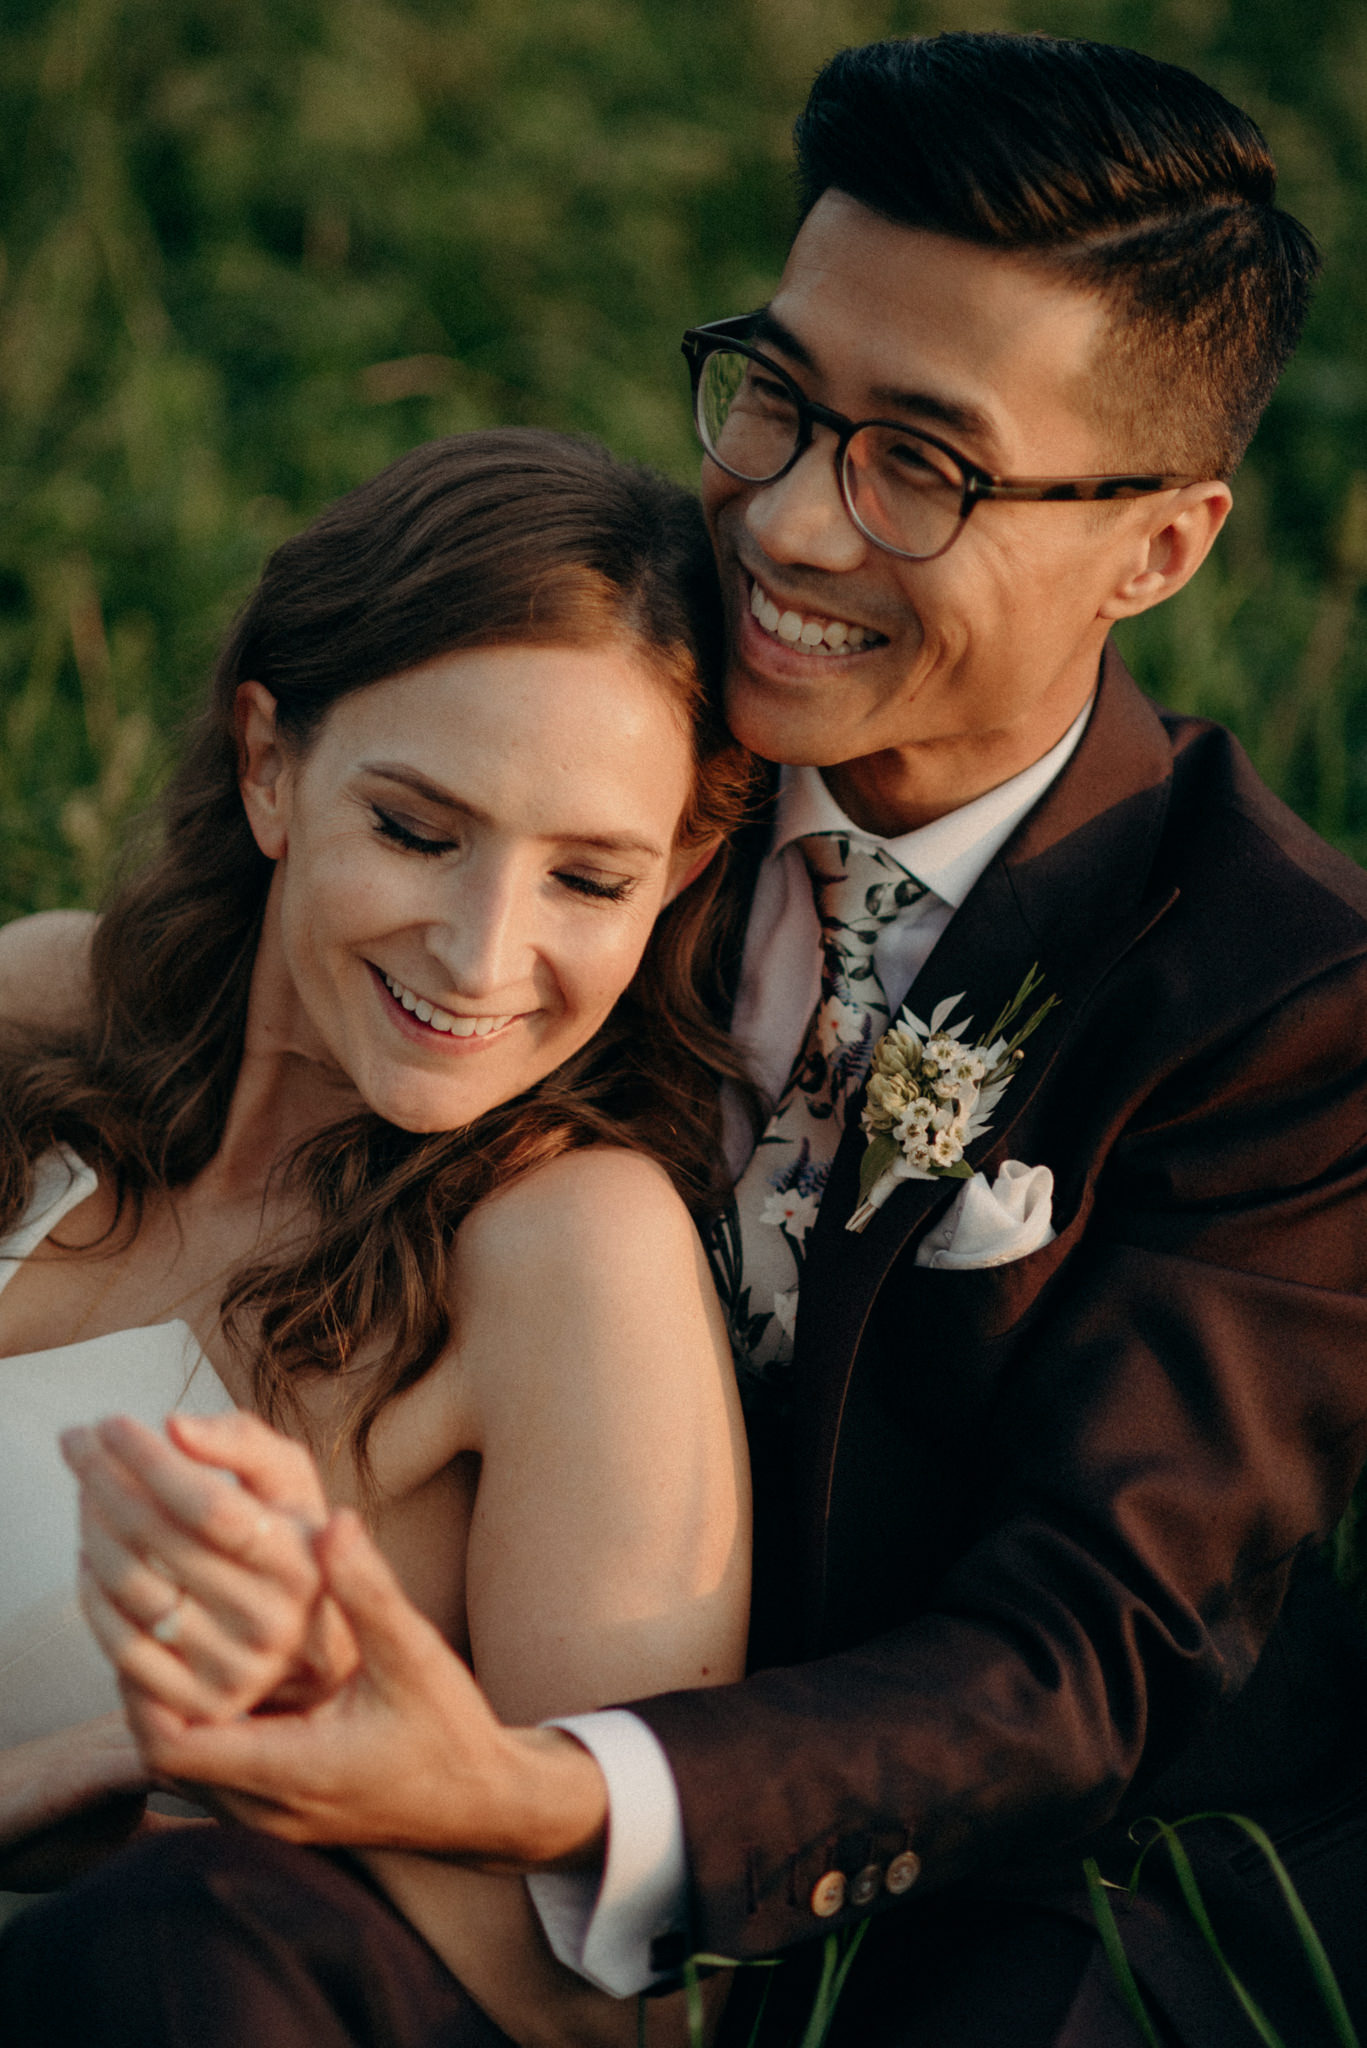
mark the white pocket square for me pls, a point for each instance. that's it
(992, 1223)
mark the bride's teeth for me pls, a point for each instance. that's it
(835, 634)
(812, 635)
(769, 615)
(442, 1020)
(789, 627)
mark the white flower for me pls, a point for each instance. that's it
(791, 1212)
(847, 1020)
(785, 1311)
(946, 1149)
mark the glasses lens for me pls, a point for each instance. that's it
(905, 492)
(746, 416)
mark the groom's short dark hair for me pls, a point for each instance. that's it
(1127, 176)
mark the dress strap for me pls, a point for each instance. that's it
(61, 1180)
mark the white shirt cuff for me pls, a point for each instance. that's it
(603, 1927)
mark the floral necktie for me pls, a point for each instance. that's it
(757, 1242)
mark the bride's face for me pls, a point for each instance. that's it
(470, 858)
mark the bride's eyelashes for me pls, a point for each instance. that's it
(387, 826)
(595, 887)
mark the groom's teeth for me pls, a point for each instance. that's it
(819, 635)
(442, 1020)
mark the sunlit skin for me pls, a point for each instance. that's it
(987, 653)
(493, 831)
(983, 659)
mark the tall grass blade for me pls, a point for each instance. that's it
(819, 2019)
(759, 2014)
(1321, 1969)
(693, 2005)
(1104, 1915)
(1196, 1906)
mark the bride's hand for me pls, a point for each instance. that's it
(198, 1575)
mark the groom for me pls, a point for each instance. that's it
(1042, 1471)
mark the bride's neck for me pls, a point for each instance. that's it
(287, 1086)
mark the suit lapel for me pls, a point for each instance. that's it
(1071, 891)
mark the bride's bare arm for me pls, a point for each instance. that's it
(610, 1545)
(609, 1552)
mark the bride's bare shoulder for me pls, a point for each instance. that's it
(592, 1203)
(591, 1274)
(45, 968)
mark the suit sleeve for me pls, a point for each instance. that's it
(1185, 1416)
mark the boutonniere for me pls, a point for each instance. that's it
(931, 1093)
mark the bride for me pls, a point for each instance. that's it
(377, 1104)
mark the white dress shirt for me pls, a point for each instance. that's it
(602, 1924)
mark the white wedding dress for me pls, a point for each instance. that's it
(51, 1672)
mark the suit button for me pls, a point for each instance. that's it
(864, 1888)
(828, 1894)
(903, 1872)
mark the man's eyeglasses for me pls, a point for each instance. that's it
(906, 491)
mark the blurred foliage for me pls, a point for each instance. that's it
(251, 251)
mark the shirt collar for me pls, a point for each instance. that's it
(949, 854)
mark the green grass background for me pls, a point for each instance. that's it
(251, 249)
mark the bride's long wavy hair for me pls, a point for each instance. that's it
(487, 539)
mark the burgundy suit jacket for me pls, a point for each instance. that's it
(1046, 1533)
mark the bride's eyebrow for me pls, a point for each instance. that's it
(445, 799)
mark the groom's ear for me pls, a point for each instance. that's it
(684, 878)
(1169, 546)
(262, 768)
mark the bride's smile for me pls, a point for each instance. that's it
(469, 861)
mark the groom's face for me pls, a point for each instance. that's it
(995, 641)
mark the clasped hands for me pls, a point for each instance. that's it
(273, 1668)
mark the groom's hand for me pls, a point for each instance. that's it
(407, 1754)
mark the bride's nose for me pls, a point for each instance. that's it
(482, 941)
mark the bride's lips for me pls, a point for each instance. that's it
(450, 1031)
